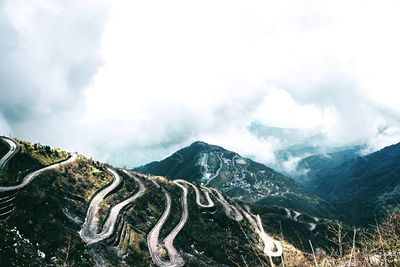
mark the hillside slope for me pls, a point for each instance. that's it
(73, 211)
(238, 177)
(309, 168)
(363, 188)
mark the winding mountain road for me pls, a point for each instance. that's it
(174, 256)
(8, 212)
(221, 164)
(153, 243)
(296, 215)
(312, 226)
(209, 204)
(14, 148)
(89, 228)
(235, 173)
(272, 247)
(4, 198)
(6, 201)
(28, 179)
(288, 213)
(229, 209)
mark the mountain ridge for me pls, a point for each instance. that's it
(240, 178)
(363, 188)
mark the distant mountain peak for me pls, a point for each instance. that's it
(205, 146)
(199, 143)
(239, 177)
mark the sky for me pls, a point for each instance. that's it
(129, 82)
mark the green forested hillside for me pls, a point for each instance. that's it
(362, 188)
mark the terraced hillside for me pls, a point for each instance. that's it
(240, 178)
(73, 211)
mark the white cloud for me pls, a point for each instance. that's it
(177, 71)
(238, 139)
(4, 127)
(48, 53)
(279, 109)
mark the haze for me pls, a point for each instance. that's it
(129, 82)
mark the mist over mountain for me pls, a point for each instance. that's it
(308, 168)
(62, 208)
(84, 71)
(296, 149)
(238, 177)
(363, 188)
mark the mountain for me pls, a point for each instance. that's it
(63, 209)
(240, 178)
(363, 188)
(299, 144)
(309, 168)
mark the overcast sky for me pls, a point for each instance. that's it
(129, 82)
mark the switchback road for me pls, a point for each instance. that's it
(14, 148)
(27, 179)
(89, 228)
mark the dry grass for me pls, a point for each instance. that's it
(358, 248)
(379, 247)
(295, 257)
